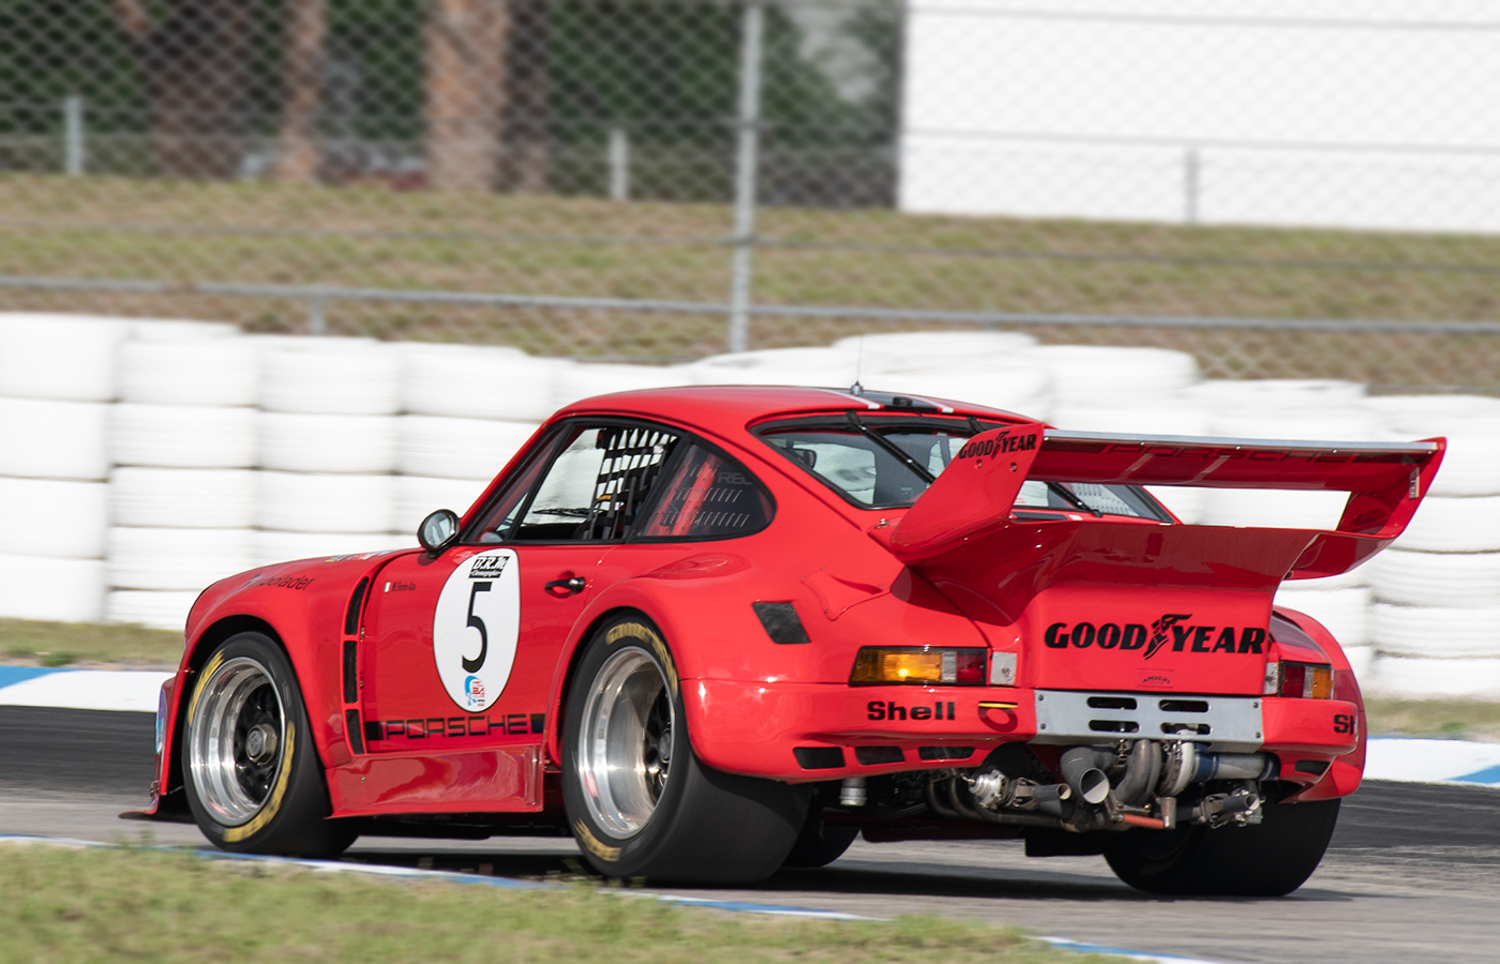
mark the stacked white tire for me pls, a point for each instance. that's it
(182, 493)
(57, 380)
(1436, 618)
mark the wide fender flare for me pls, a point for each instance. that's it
(661, 604)
(1346, 772)
(309, 628)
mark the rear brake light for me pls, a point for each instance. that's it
(918, 664)
(1313, 681)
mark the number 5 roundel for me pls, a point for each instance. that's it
(475, 628)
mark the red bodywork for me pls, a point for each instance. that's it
(957, 569)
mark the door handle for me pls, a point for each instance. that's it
(566, 587)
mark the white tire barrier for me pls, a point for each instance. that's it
(1278, 508)
(180, 559)
(331, 376)
(299, 502)
(1454, 525)
(1251, 395)
(184, 436)
(1361, 661)
(182, 498)
(327, 443)
(39, 587)
(45, 517)
(69, 357)
(1436, 632)
(1436, 678)
(154, 609)
(1470, 423)
(54, 440)
(932, 348)
(1083, 374)
(418, 497)
(270, 548)
(478, 382)
(815, 367)
(1451, 580)
(1174, 418)
(457, 448)
(575, 382)
(204, 371)
(1343, 612)
(177, 329)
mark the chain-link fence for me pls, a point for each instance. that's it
(1306, 188)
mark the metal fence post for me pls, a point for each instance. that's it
(751, 66)
(1191, 174)
(74, 157)
(619, 164)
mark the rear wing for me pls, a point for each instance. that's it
(973, 497)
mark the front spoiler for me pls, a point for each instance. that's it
(756, 728)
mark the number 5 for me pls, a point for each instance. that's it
(472, 665)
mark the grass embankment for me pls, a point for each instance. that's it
(125, 905)
(267, 233)
(64, 644)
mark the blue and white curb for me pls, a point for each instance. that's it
(81, 689)
(1389, 758)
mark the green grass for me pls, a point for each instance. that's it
(181, 232)
(63, 644)
(1463, 719)
(147, 905)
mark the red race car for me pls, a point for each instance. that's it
(711, 632)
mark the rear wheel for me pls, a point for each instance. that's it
(253, 780)
(1270, 859)
(820, 843)
(640, 802)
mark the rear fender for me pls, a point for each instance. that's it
(1346, 772)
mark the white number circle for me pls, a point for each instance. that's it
(475, 628)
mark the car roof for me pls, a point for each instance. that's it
(728, 409)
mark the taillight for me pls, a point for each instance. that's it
(1312, 681)
(918, 664)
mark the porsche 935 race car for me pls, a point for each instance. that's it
(711, 632)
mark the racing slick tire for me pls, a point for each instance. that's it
(638, 799)
(1270, 859)
(253, 779)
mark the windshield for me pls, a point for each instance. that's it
(881, 463)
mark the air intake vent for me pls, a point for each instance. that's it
(872, 755)
(945, 752)
(351, 617)
(819, 757)
(781, 623)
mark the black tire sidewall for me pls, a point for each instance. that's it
(294, 820)
(611, 855)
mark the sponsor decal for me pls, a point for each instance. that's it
(281, 582)
(887, 710)
(1168, 628)
(400, 587)
(1004, 442)
(1343, 723)
(475, 628)
(451, 727)
(1154, 679)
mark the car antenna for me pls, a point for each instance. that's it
(859, 361)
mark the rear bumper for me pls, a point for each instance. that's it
(757, 729)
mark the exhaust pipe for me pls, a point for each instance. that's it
(1141, 772)
(1187, 764)
(1083, 771)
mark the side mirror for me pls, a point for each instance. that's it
(438, 530)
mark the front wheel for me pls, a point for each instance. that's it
(638, 799)
(252, 775)
(1269, 859)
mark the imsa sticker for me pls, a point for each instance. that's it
(475, 628)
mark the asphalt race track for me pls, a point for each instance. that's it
(1413, 873)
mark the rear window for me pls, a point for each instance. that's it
(881, 463)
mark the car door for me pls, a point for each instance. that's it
(459, 649)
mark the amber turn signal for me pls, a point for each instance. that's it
(918, 664)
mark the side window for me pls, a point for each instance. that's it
(709, 496)
(596, 486)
